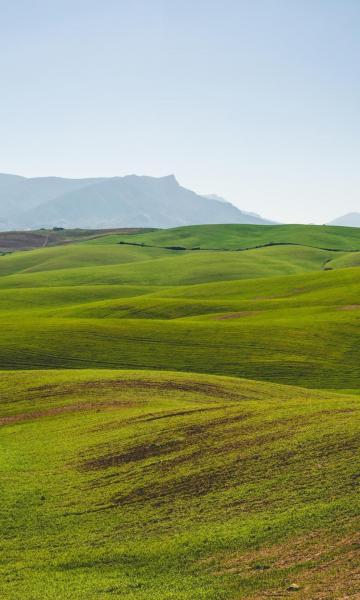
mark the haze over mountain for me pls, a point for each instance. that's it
(130, 201)
(348, 220)
(250, 215)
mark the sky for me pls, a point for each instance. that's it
(254, 100)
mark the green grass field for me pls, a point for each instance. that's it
(182, 424)
(235, 237)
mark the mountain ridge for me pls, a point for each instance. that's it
(351, 219)
(128, 201)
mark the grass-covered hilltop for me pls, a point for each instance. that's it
(180, 413)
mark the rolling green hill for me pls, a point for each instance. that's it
(236, 237)
(269, 313)
(146, 485)
(150, 447)
(78, 265)
(351, 259)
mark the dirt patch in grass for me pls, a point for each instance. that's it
(29, 240)
(58, 410)
(228, 458)
(324, 567)
(151, 417)
(238, 315)
(232, 471)
(157, 449)
(179, 413)
(200, 428)
(137, 453)
(209, 389)
(233, 436)
(350, 307)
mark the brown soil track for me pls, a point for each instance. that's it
(328, 566)
(134, 384)
(11, 241)
(238, 315)
(58, 410)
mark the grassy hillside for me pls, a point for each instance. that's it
(80, 264)
(234, 237)
(276, 313)
(351, 259)
(73, 257)
(304, 348)
(151, 450)
(174, 486)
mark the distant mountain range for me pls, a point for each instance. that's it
(130, 201)
(349, 220)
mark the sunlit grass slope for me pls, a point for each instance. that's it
(351, 259)
(310, 350)
(233, 237)
(279, 313)
(171, 268)
(169, 486)
(75, 256)
(80, 264)
(131, 466)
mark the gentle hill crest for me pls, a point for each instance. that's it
(242, 237)
(244, 313)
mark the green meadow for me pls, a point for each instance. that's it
(238, 237)
(179, 415)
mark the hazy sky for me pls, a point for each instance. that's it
(255, 100)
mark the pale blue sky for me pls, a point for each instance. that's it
(255, 100)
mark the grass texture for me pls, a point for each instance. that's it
(120, 484)
(181, 424)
